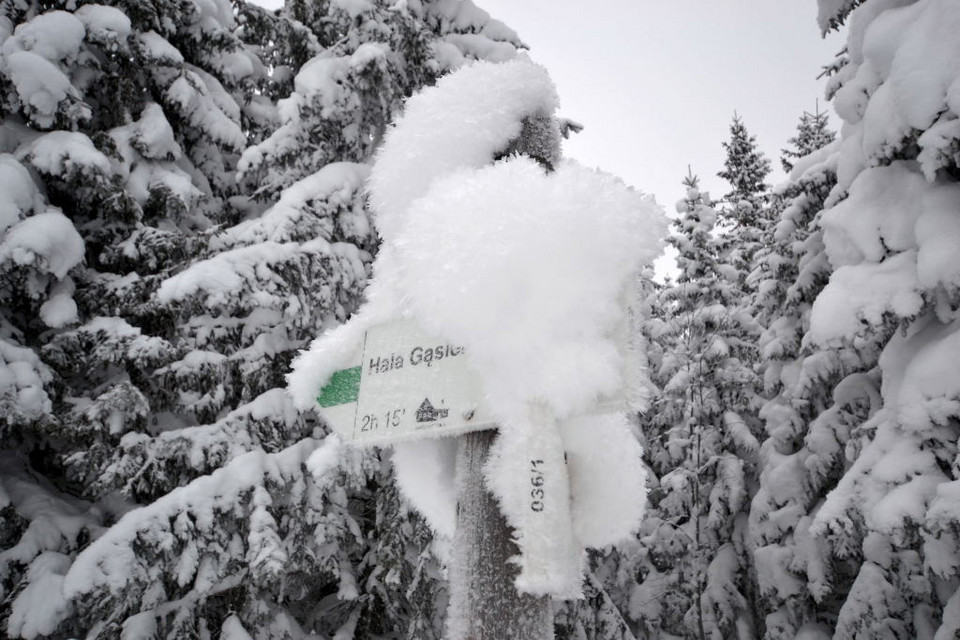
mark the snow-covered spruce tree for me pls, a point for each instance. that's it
(127, 387)
(744, 225)
(700, 444)
(890, 229)
(745, 168)
(817, 397)
(791, 209)
(373, 56)
(813, 133)
(116, 148)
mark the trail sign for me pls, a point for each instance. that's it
(404, 384)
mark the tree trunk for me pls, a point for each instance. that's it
(484, 603)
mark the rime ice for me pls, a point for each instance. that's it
(528, 270)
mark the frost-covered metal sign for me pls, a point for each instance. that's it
(404, 384)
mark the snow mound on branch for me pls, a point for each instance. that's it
(40, 84)
(61, 153)
(54, 35)
(47, 240)
(904, 78)
(157, 48)
(18, 192)
(466, 16)
(324, 76)
(103, 22)
(337, 183)
(461, 123)
(890, 208)
(228, 273)
(109, 563)
(60, 309)
(37, 609)
(22, 378)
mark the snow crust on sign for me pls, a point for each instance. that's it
(459, 124)
(426, 468)
(598, 448)
(528, 270)
(529, 278)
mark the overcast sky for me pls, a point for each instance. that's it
(656, 82)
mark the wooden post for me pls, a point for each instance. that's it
(484, 603)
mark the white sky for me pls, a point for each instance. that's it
(656, 82)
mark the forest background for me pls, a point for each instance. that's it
(182, 209)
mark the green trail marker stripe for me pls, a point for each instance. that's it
(343, 388)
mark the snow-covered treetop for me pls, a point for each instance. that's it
(813, 133)
(745, 166)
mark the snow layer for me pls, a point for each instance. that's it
(109, 561)
(54, 36)
(336, 183)
(905, 74)
(18, 192)
(40, 84)
(539, 298)
(894, 240)
(22, 376)
(61, 153)
(890, 208)
(459, 124)
(529, 270)
(47, 241)
(104, 23)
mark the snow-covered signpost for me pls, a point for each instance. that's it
(497, 312)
